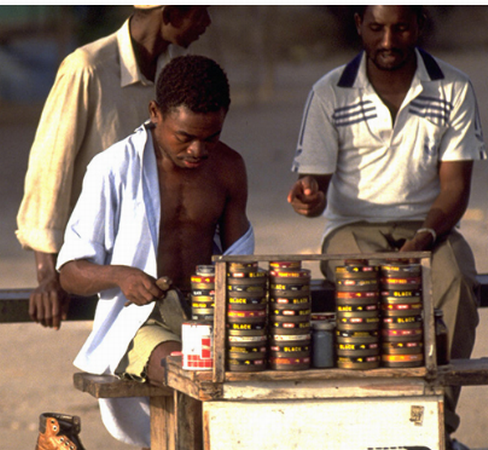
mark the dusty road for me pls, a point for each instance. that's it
(36, 369)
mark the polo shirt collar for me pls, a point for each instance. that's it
(354, 73)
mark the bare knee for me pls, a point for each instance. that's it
(155, 370)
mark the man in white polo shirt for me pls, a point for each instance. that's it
(385, 154)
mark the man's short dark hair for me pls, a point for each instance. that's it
(416, 9)
(193, 81)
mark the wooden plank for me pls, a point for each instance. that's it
(219, 335)
(315, 424)
(163, 426)
(428, 318)
(196, 384)
(327, 389)
(315, 257)
(189, 427)
(108, 386)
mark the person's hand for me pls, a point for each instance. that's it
(420, 242)
(49, 303)
(139, 287)
(306, 198)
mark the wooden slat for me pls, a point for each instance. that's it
(107, 386)
(315, 257)
(219, 348)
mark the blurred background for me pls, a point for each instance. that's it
(272, 55)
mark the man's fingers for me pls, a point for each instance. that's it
(309, 186)
(55, 310)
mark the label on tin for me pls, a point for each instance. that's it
(351, 295)
(291, 312)
(409, 319)
(246, 314)
(303, 273)
(403, 358)
(302, 325)
(353, 320)
(290, 287)
(290, 361)
(257, 289)
(356, 308)
(247, 339)
(290, 348)
(411, 280)
(285, 264)
(356, 282)
(291, 337)
(245, 350)
(355, 269)
(202, 279)
(401, 306)
(371, 346)
(247, 301)
(293, 301)
(401, 332)
(401, 293)
(247, 326)
(256, 274)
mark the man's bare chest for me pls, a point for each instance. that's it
(200, 201)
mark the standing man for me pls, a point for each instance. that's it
(100, 96)
(386, 149)
(151, 206)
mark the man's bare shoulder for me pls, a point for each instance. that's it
(228, 156)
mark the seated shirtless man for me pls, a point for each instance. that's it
(154, 205)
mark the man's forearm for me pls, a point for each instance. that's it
(82, 277)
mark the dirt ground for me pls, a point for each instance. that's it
(36, 364)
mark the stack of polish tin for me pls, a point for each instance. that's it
(357, 315)
(203, 293)
(289, 316)
(247, 317)
(402, 324)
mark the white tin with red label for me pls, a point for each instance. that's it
(197, 343)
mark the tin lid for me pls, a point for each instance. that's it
(323, 325)
(203, 270)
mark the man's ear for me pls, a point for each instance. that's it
(171, 16)
(422, 20)
(166, 15)
(358, 21)
(154, 112)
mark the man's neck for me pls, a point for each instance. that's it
(148, 46)
(392, 85)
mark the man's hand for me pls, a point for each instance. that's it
(420, 242)
(163, 283)
(139, 287)
(49, 303)
(306, 197)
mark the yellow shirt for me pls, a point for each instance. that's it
(99, 97)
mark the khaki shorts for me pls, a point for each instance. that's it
(148, 337)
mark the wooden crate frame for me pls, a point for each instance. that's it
(220, 375)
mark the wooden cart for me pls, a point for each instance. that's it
(316, 409)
